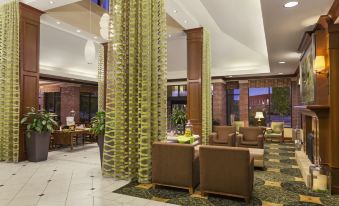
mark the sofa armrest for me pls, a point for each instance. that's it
(261, 141)
(251, 174)
(231, 139)
(211, 138)
(239, 137)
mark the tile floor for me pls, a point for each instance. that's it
(65, 179)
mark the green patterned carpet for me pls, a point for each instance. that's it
(279, 184)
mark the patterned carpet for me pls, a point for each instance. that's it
(279, 184)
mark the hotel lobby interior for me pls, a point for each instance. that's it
(169, 102)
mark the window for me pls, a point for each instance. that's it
(52, 103)
(88, 106)
(273, 102)
(233, 97)
(177, 91)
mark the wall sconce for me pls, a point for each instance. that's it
(259, 116)
(319, 64)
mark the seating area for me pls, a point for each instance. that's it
(169, 102)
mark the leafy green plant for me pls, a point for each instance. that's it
(98, 123)
(38, 121)
(178, 117)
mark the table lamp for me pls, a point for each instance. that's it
(259, 116)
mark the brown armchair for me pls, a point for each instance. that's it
(250, 137)
(175, 165)
(234, 177)
(223, 136)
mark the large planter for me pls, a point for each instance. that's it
(37, 146)
(101, 146)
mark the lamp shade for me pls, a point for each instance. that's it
(319, 63)
(90, 52)
(259, 115)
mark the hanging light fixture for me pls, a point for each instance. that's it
(104, 24)
(90, 47)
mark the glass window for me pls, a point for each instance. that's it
(274, 103)
(183, 90)
(233, 97)
(52, 101)
(88, 106)
(175, 91)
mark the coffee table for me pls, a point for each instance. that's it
(258, 155)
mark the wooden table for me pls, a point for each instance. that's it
(65, 137)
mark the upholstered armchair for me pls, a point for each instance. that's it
(226, 171)
(238, 124)
(250, 137)
(175, 165)
(276, 131)
(223, 136)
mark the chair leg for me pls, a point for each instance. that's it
(190, 190)
(154, 186)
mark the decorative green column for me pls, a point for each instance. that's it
(206, 88)
(9, 81)
(101, 78)
(136, 96)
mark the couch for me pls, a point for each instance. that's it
(276, 131)
(223, 136)
(250, 137)
(175, 165)
(226, 171)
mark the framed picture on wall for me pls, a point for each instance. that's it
(307, 75)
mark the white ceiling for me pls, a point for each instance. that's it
(62, 54)
(248, 37)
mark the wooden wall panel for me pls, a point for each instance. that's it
(29, 65)
(334, 102)
(194, 76)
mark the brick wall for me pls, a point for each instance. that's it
(219, 102)
(70, 100)
(243, 104)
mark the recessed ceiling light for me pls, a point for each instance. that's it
(185, 21)
(291, 4)
(95, 37)
(78, 30)
(169, 36)
(51, 2)
(175, 11)
(230, 76)
(58, 22)
(280, 73)
(282, 62)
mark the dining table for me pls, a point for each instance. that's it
(66, 137)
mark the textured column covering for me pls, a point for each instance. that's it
(136, 94)
(101, 79)
(9, 81)
(206, 88)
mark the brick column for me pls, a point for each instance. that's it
(295, 102)
(219, 102)
(70, 100)
(243, 104)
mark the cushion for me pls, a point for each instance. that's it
(277, 127)
(253, 143)
(273, 135)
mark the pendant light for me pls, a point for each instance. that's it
(90, 47)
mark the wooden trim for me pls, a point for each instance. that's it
(260, 77)
(177, 80)
(305, 41)
(67, 79)
(334, 11)
(190, 189)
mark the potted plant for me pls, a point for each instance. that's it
(98, 128)
(38, 134)
(179, 120)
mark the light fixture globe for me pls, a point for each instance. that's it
(104, 25)
(90, 51)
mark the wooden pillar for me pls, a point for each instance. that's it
(29, 65)
(194, 77)
(219, 102)
(334, 102)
